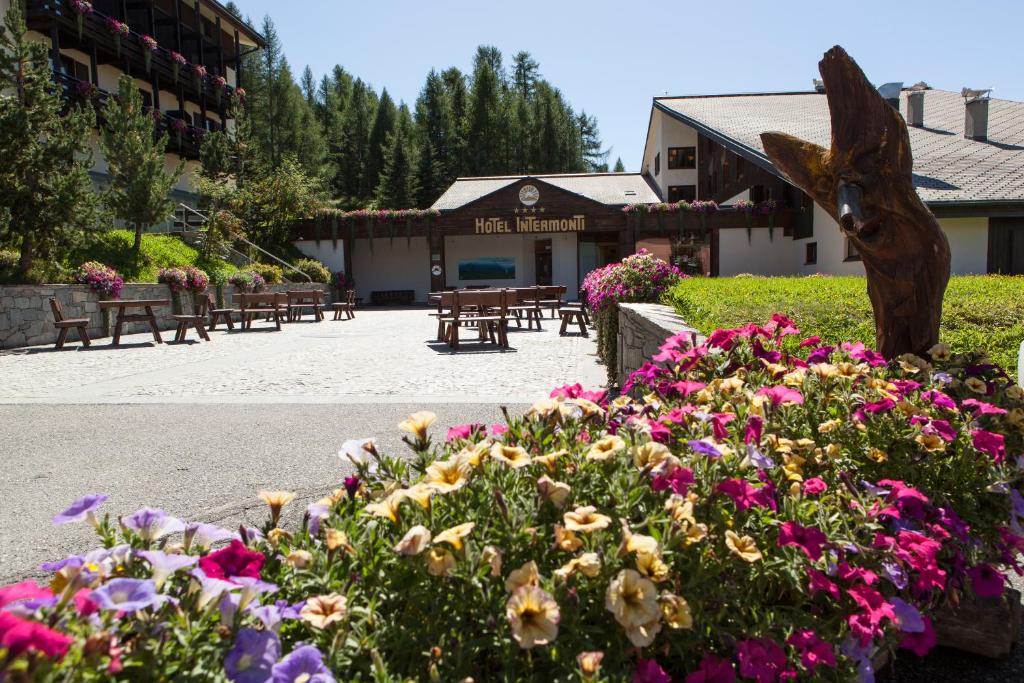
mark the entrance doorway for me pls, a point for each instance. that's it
(1006, 246)
(543, 265)
(594, 255)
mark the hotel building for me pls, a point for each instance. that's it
(184, 56)
(553, 229)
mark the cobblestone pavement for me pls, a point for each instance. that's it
(380, 356)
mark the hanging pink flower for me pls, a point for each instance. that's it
(178, 58)
(809, 539)
(149, 42)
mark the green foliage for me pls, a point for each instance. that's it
(314, 269)
(114, 248)
(272, 275)
(140, 186)
(619, 166)
(396, 189)
(8, 266)
(982, 312)
(47, 199)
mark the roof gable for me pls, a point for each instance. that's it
(610, 189)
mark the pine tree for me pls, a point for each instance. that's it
(435, 123)
(140, 186)
(619, 166)
(590, 143)
(484, 135)
(525, 73)
(397, 188)
(458, 94)
(355, 144)
(379, 141)
(46, 194)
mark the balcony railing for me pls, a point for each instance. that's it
(94, 29)
(182, 139)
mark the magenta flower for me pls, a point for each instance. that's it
(920, 643)
(809, 539)
(761, 659)
(462, 431)
(815, 486)
(814, 651)
(991, 443)
(678, 480)
(649, 671)
(820, 583)
(986, 581)
(745, 495)
(781, 395)
(352, 484)
(982, 408)
(687, 387)
(233, 561)
(18, 636)
(752, 433)
(712, 669)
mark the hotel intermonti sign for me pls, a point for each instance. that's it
(528, 224)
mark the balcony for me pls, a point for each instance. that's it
(182, 139)
(97, 39)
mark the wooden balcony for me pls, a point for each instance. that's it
(56, 19)
(183, 140)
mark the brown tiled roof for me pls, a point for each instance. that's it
(947, 166)
(613, 189)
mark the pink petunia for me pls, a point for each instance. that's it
(937, 398)
(809, 539)
(745, 495)
(920, 643)
(814, 651)
(649, 671)
(760, 659)
(986, 581)
(712, 669)
(678, 480)
(752, 434)
(810, 341)
(981, 407)
(815, 486)
(687, 387)
(820, 583)
(991, 443)
(18, 636)
(781, 395)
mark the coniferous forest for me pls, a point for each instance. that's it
(366, 149)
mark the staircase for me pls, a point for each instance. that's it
(190, 225)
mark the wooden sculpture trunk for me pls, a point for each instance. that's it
(865, 182)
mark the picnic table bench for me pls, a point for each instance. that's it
(123, 316)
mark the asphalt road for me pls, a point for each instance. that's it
(199, 462)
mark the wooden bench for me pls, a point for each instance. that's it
(528, 303)
(301, 301)
(570, 313)
(347, 305)
(218, 314)
(66, 324)
(393, 297)
(265, 303)
(196, 320)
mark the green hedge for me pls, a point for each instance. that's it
(984, 312)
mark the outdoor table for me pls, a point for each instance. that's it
(122, 306)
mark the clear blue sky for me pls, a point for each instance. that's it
(610, 58)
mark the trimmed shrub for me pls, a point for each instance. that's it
(314, 269)
(980, 312)
(771, 510)
(272, 275)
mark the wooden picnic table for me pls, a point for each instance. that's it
(123, 305)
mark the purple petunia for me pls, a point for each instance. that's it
(151, 524)
(126, 595)
(253, 656)
(82, 509)
(907, 616)
(705, 448)
(305, 663)
(165, 565)
(205, 535)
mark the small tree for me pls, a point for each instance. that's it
(619, 166)
(140, 185)
(46, 195)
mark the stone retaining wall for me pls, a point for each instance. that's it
(642, 329)
(25, 318)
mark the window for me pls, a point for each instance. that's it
(811, 254)
(682, 157)
(147, 98)
(682, 193)
(851, 251)
(74, 68)
(740, 167)
(657, 163)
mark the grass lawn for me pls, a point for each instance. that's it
(983, 312)
(114, 248)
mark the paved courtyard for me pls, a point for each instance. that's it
(199, 429)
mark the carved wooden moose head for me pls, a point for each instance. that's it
(865, 182)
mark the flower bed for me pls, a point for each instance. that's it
(640, 278)
(101, 279)
(771, 508)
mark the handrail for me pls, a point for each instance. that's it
(287, 265)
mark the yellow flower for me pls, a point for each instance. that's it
(414, 542)
(940, 352)
(445, 476)
(589, 408)
(420, 493)
(652, 454)
(829, 426)
(795, 378)
(299, 558)
(590, 664)
(513, 456)
(336, 538)
(417, 424)
(730, 385)
(851, 369)
(491, 556)
(976, 385)
(555, 492)
(440, 561)
(605, 447)
(588, 564)
(586, 519)
(474, 455)
(455, 535)
(323, 610)
(636, 543)
(386, 508)
(652, 566)
(877, 454)
(695, 533)
(276, 500)
(527, 575)
(533, 616)
(550, 459)
(275, 536)
(833, 450)
(676, 611)
(825, 370)
(742, 546)
(912, 363)
(545, 408)
(793, 466)
(1014, 392)
(932, 443)
(566, 541)
(633, 600)
(1016, 418)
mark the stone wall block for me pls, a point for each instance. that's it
(643, 328)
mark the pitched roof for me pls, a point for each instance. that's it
(613, 189)
(947, 166)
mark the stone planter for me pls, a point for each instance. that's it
(981, 626)
(176, 306)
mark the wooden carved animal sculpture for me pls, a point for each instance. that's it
(864, 181)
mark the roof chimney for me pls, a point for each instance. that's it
(915, 104)
(976, 113)
(890, 92)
